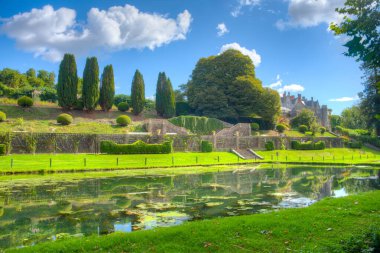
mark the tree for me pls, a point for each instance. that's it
(305, 117)
(31, 73)
(67, 82)
(180, 93)
(168, 100)
(269, 107)
(159, 93)
(335, 120)
(138, 93)
(90, 89)
(353, 118)
(107, 90)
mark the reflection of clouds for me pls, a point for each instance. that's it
(340, 193)
(295, 202)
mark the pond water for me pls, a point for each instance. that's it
(36, 210)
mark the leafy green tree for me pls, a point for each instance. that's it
(121, 98)
(90, 89)
(31, 73)
(67, 82)
(180, 93)
(353, 118)
(138, 93)
(159, 93)
(335, 120)
(13, 79)
(305, 117)
(168, 100)
(269, 107)
(107, 90)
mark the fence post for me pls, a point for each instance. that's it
(286, 158)
(218, 159)
(11, 163)
(50, 162)
(117, 161)
(146, 161)
(85, 161)
(172, 160)
(196, 159)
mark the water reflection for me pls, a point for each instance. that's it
(37, 210)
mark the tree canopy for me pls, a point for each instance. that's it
(138, 93)
(67, 82)
(107, 90)
(90, 88)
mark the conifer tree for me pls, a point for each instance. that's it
(107, 90)
(138, 93)
(90, 88)
(67, 82)
(168, 100)
(159, 89)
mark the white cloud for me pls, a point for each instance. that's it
(243, 3)
(291, 88)
(222, 29)
(50, 33)
(276, 84)
(255, 57)
(344, 99)
(308, 13)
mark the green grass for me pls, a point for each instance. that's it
(294, 133)
(323, 227)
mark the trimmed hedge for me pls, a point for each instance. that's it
(303, 129)
(255, 127)
(25, 101)
(309, 145)
(123, 106)
(138, 147)
(3, 149)
(64, 119)
(123, 120)
(3, 116)
(198, 125)
(354, 144)
(206, 147)
(280, 128)
(269, 145)
(322, 130)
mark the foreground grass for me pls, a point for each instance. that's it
(321, 227)
(80, 162)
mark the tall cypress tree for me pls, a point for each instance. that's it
(168, 100)
(90, 88)
(138, 93)
(67, 82)
(107, 90)
(159, 96)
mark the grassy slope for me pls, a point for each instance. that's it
(318, 228)
(75, 162)
(294, 133)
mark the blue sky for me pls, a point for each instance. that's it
(288, 40)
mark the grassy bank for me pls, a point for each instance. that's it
(326, 226)
(80, 162)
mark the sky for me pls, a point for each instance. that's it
(288, 41)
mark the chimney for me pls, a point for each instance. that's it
(312, 98)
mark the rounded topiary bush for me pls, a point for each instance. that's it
(280, 128)
(322, 130)
(25, 101)
(123, 106)
(3, 116)
(302, 128)
(123, 120)
(255, 127)
(64, 119)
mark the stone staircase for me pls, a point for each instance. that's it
(247, 154)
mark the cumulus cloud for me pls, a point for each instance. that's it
(344, 99)
(308, 13)
(291, 88)
(242, 4)
(221, 29)
(276, 84)
(50, 33)
(255, 57)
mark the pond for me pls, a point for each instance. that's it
(46, 208)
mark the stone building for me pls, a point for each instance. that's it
(291, 106)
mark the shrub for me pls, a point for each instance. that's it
(25, 101)
(302, 128)
(269, 145)
(182, 108)
(123, 120)
(3, 116)
(322, 130)
(138, 147)
(309, 145)
(78, 105)
(355, 144)
(280, 128)
(123, 106)
(206, 146)
(255, 126)
(339, 129)
(64, 119)
(198, 125)
(3, 149)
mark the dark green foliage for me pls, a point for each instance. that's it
(64, 119)
(322, 130)
(67, 87)
(280, 128)
(138, 93)
(355, 144)
(90, 89)
(49, 94)
(206, 147)
(335, 120)
(123, 120)
(303, 129)
(255, 127)
(138, 147)
(366, 242)
(198, 125)
(269, 145)
(25, 101)
(305, 117)
(159, 93)
(182, 108)
(123, 106)
(309, 145)
(3, 116)
(353, 118)
(107, 91)
(3, 149)
(339, 129)
(78, 104)
(168, 100)
(121, 98)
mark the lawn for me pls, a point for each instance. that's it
(326, 226)
(294, 133)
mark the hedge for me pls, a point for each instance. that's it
(138, 147)
(25, 101)
(123, 120)
(302, 129)
(3, 149)
(269, 145)
(255, 127)
(206, 147)
(123, 106)
(64, 119)
(198, 125)
(309, 145)
(3, 116)
(354, 144)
